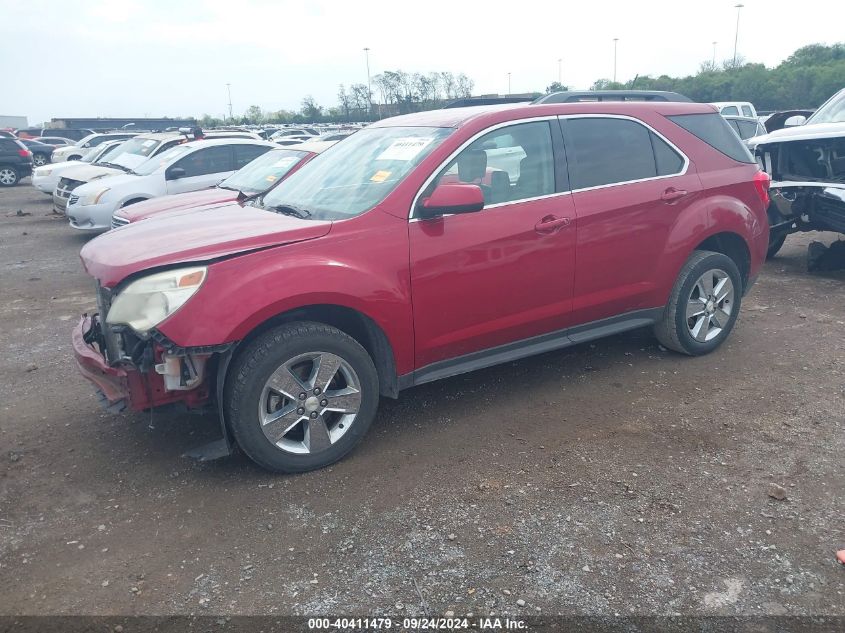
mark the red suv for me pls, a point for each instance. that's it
(422, 247)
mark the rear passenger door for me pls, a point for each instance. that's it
(203, 168)
(629, 186)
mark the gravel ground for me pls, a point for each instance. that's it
(614, 477)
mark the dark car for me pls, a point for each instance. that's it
(40, 151)
(73, 134)
(15, 162)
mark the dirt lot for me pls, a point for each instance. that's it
(610, 478)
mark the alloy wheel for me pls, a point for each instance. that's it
(309, 403)
(38, 160)
(710, 305)
(8, 176)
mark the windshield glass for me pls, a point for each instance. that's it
(355, 175)
(90, 155)
(110, 153)
(136, 151)
(84, 140)
(832, 111)
(156, 163)
(263, 172)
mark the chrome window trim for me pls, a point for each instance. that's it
(682, 172)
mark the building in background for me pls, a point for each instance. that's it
(98, 123)
(13, 122)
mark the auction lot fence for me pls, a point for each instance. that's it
(295, 624)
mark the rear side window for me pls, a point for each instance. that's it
(9, 145)
(247, 153)
(715, 131)
(746, 110)
(730, 110)
(607, 151)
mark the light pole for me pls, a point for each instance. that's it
(229, 90)
(615, 42)
(714, 54)
(560, 71)
(738, 8)
(509, 83)
(369, 86)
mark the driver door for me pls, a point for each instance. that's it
(203, 168)
(503, 274)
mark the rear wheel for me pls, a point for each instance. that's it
(703, 306)
(8, 176)
(39, 159)
(301, 396)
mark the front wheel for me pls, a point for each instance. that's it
(8, 176)
(301, 396)
(703, 306)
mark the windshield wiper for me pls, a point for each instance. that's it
(105, 163)
(286, 209)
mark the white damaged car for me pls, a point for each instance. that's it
(46, 177)
(807, 167)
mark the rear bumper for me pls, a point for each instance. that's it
(112, 382)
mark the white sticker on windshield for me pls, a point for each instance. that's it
(404, 148)
(148, 143)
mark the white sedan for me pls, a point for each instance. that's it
(46, 177)
(188, 167)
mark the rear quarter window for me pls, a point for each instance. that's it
(715, 131)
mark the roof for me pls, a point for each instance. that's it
(457, 117)
(211, 142)
(570, 96)
(316, 147)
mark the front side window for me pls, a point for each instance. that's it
(604, 151)
(509, 164)
(355, 175)
(746, 111)
(831, 111)
(151, 165)
(730, 111)
(208, 160)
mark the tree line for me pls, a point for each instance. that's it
(804, 80)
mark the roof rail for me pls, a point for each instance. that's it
(478, 101)
(611, 95)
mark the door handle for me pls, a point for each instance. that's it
(672, 194)
(551, 223)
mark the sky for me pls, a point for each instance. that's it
(133, 58)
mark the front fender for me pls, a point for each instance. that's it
(366, 272)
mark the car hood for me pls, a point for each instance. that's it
(192, 237)
(801, 133)
(182, 201)
(86, 173)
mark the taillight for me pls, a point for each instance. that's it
(762, 180)
(25, 153)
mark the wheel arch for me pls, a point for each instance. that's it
(350, 321)
(732, 245)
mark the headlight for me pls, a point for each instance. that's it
(93, 198)
(43, 172)
(148, 301)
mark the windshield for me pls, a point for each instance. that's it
(161, 161)
(355, 175)
(136, 151)
(84, 140)
(263, 172)
(832, 110)
(110, 153)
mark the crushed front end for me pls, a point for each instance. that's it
(142, 370)
(808, 183)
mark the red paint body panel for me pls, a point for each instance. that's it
(446, 287)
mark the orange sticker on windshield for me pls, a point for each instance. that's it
(270, 178)
(380, 176)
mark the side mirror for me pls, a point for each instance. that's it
(175, 173)
(452, 198)
(795, 121)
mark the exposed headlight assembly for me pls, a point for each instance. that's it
(94, 197)
(148, 301)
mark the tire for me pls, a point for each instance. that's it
(288, 355)
(74, 157)
(707, 327)
(9, 176)
(40, 159)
